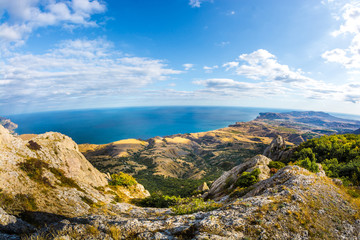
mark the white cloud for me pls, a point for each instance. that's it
(210, 69)
(275, 79)
(197, 3)
(76, 69)
(21, 17)
(261, 64)
(348, 57)
(188, 66)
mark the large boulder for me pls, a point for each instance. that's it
(277, 150)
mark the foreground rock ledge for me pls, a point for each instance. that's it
(292, 204)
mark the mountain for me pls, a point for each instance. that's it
(314, 121)
(180, 163)
(357, 131)
(47, 176)
(195, 158)
(6, 123)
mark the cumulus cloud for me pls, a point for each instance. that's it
(76, 69)
(21, 17)
(261, 64)
(268, 77)
(348, 57)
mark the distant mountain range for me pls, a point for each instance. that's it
(315, 121)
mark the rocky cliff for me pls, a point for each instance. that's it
(292, 204)
(6, 123)
(48, 175)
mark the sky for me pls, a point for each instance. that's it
(79, 54)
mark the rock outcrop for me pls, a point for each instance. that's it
(48, 174)
(8, 124)
(13, 225)
(277, 150)
(225, 183)
(292, 204)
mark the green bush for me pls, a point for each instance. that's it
(177, 204)
(122, 179)
(276, 165)
(158, 200)
(309, 165)
(248, 178)
(191, 205)
(339, 156)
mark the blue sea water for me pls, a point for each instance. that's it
(102, 126)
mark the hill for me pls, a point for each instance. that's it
(187, 160)
(308, 120)
(47, 178)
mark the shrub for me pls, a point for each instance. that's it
(309, 165)
(177, 204)
(158, 200)
(34, 168)
(191, 205)
(33, 145)
(276, 165)
(248, 178)
(122, 179)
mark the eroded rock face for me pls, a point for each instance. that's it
(224, 184)
(292, 204)
(277, 151)
(6, 123)
(49, 174)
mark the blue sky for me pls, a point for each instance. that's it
(74, 54)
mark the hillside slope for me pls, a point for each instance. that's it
(292, 204)
(48, 174)
(192, 158)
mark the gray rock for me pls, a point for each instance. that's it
(225, 182)
(12, 224)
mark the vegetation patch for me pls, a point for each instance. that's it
(34, 168)
(64, 181)
(339, 156)
(17, 203)
(174, 186)
(122, 179)
(33, 145)
(247, 179)
(276, 164)
(177, 204)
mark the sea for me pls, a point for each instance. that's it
(101, 126)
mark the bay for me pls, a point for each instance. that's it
(100, 126)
